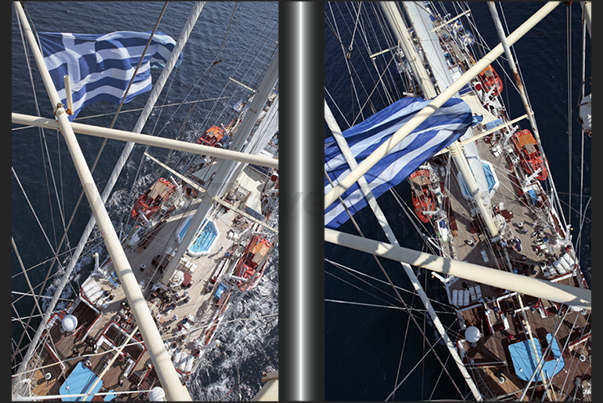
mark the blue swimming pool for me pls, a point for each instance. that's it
(204, 240)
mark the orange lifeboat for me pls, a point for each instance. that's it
(212, 137)
(529, 154)
(422, 196)
(489, 79)
(248, 265)
(150, 202)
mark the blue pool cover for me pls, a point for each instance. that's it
(79, 381)
(219, 291)
(522, 354)
(204, 239)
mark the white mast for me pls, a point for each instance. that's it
(586, 9)
(466, 159)
(430, 44)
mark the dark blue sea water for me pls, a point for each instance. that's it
(363, 343)
(229, 40)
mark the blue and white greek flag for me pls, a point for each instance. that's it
(101, 66)
(438, 131)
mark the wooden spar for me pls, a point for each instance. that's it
(146, 139)
(241, 84)
(165, 369)
(548, 290)
(68, 94)
(372, 201)
(436, 103)
(382, 52)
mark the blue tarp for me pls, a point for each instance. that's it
(79, 381)
(525, 363)
(532, 195)
(219, 291)
(489, 177)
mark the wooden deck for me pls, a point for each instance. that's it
(492, 350)
(489, 358)
(116, 321)
(515, 207)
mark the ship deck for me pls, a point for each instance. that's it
(514, 209)
(490, 356)
(528, 260)
(69, 349)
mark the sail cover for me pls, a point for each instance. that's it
(423, 25)
(438, 131)
(101, 66)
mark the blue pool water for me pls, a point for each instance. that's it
(204, 240)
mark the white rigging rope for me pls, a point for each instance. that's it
(351, 47)
(364, 290)
(16, 275)
(352, 83)
(42, 136)
(415, 367)
(34, 213)
(435, 386)
(570, 104)
(399, 308)
(351, 270)
(337, 106)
